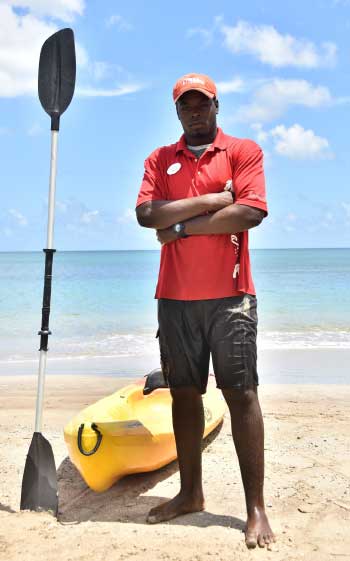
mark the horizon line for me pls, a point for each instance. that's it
(114, 250)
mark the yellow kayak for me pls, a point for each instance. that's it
(129, 432)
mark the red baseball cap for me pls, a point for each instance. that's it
(199, 82)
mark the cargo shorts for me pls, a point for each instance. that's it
(190, 330)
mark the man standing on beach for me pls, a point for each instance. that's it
(202, 195)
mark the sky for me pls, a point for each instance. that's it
(282, 72)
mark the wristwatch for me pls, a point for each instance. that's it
(179, 229)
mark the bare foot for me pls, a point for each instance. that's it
(181, 504)
(258, 530)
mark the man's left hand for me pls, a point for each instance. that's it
(167, 235)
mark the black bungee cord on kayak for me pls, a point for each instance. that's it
(98, 442)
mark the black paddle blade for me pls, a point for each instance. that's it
(39, 485)
(57, 69)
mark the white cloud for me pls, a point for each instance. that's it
(346, 207)
(61, 206)
(73, 213)
(88, 217)
(291, 217)
(119, 22)
(276, 49)
(19, 218)
(267, 159)
(8, 232)
(128, 216)
(230, 86)
(64, 10)
(261, 135)
(81, 55)
(35, 130)
(100, 70)
(120, 90)
(297, 143)
(327, 221)
(21, 38)
(294, 142)
(274, 97)
(206, 34)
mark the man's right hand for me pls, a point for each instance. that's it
(217, 201)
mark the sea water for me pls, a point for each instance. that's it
(103, 304)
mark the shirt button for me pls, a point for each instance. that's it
(198, 172)
(196, 159)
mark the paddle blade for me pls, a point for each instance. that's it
(39, 485)
(57, 70)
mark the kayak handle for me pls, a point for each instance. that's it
(98, 442)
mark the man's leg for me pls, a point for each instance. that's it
(188, 423)
(248, 436)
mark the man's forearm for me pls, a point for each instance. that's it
(230, 220)
(162, 214)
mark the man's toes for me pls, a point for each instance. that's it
(261, 540)
(250, 540)
(154, 515)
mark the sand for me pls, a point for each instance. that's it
(307, 491)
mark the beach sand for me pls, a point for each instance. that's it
(307, 491)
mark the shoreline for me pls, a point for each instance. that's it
(275, 366)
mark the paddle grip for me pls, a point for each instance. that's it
(45, 314)
(55, 122)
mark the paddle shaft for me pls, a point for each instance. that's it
(49, 251)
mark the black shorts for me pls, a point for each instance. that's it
(189, 330)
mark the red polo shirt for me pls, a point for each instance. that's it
(215, 265)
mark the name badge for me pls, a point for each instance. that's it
(174, 168)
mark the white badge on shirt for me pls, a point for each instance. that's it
(174, 168)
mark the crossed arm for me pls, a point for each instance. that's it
(213, 213)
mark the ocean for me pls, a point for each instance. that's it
(103, 307)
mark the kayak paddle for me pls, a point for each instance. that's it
(56, 84)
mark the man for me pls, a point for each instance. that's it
(202, 195)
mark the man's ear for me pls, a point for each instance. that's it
(216, 102)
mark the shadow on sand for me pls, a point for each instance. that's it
(127, 501)
(6, 508)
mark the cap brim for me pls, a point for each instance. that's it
(202, 90)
